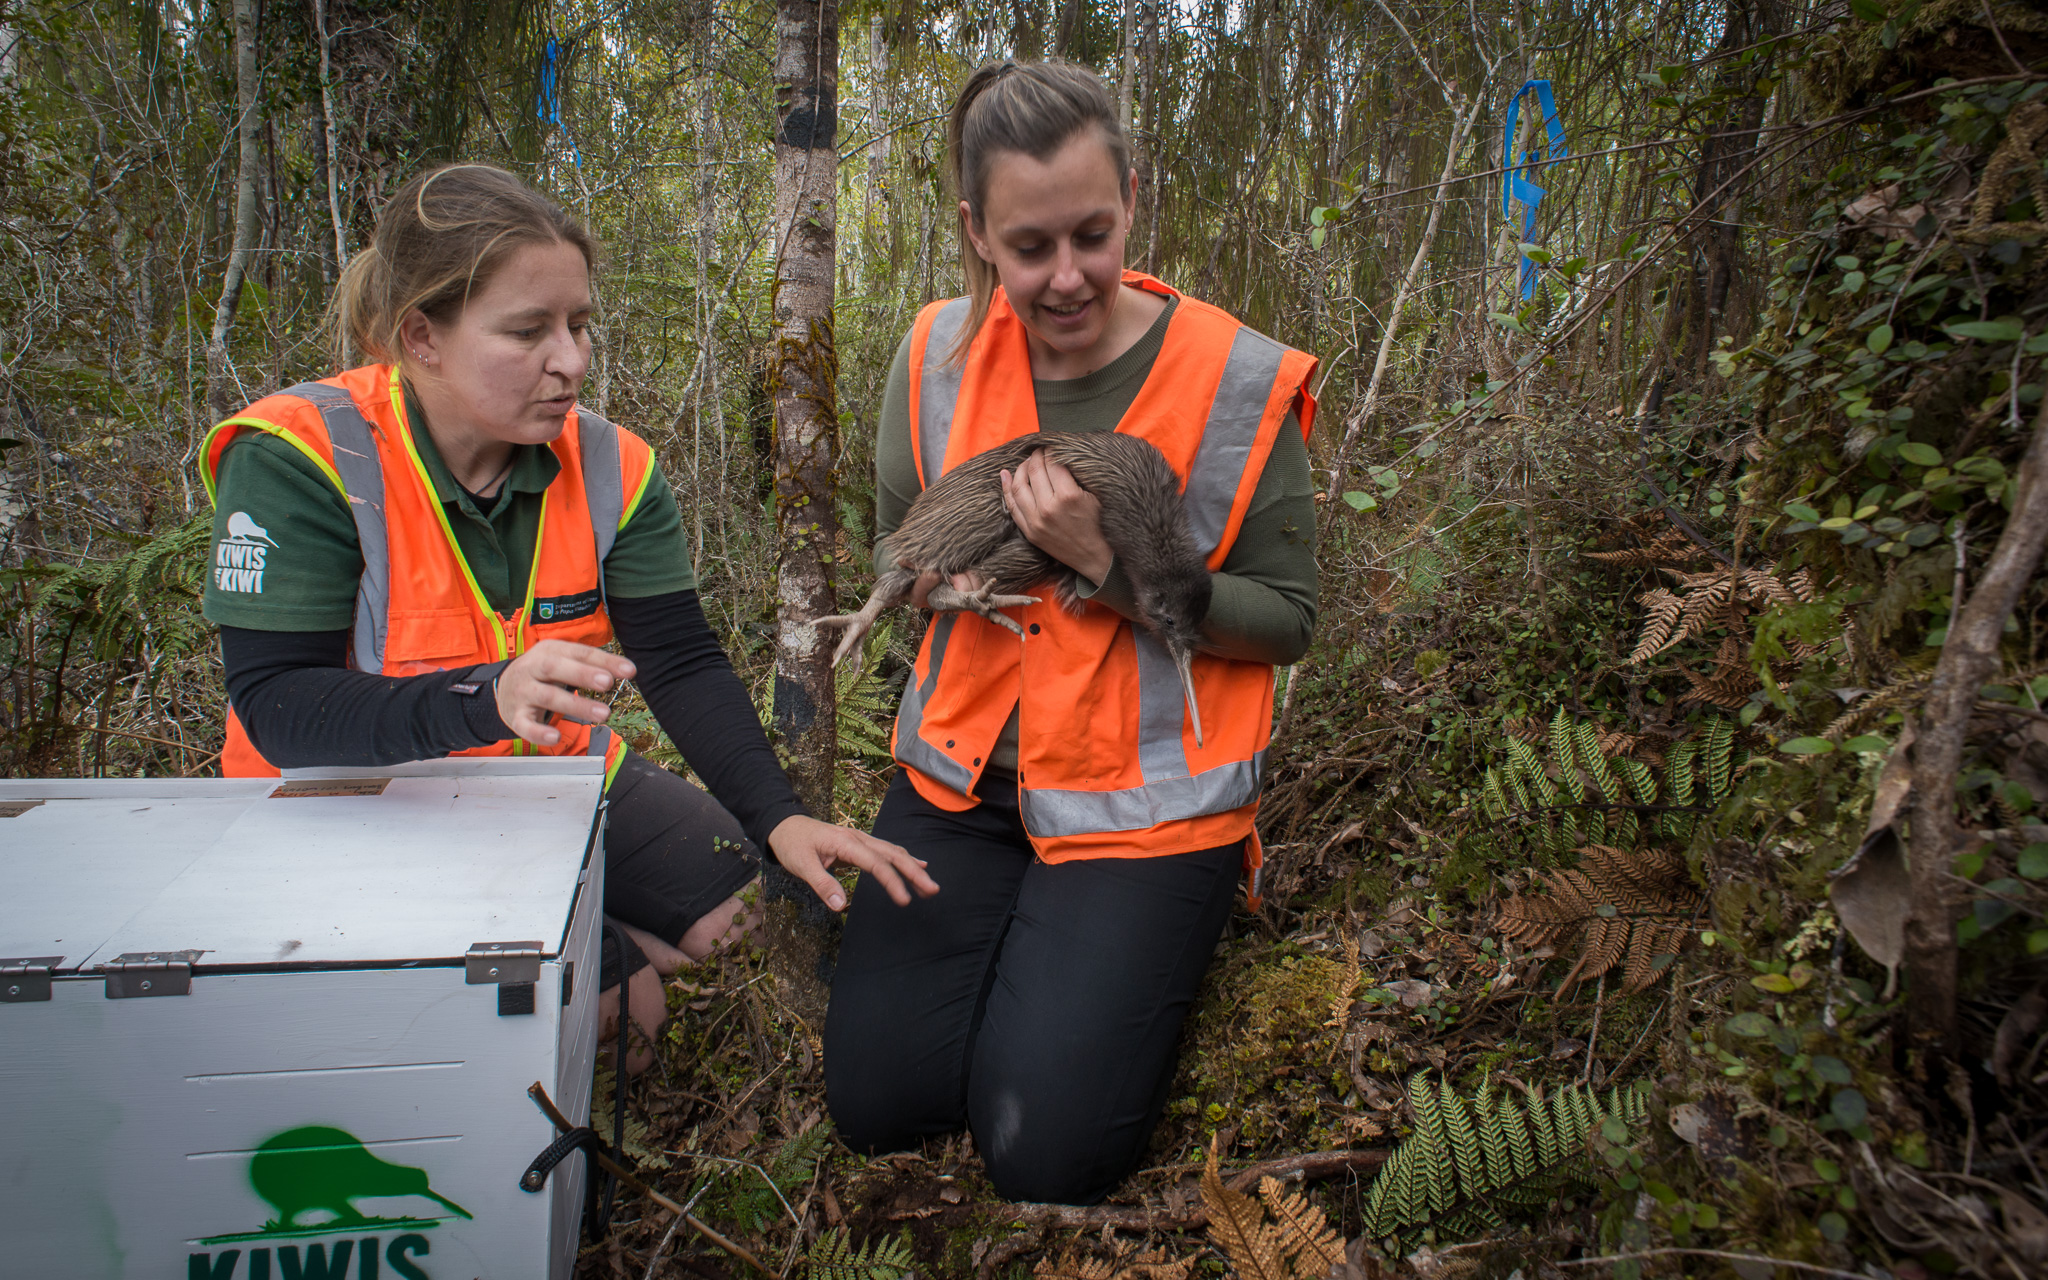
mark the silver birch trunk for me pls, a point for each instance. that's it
(223, 393)
(327, 132)
(1127, 78)
(802, 377)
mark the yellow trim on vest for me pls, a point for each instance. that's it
(206, 449)
(617, 757)
(633, 503)
(412, 453)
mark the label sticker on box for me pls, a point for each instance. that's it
(330, 787)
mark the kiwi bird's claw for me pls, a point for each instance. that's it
(856, 629)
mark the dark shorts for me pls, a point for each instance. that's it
(672, 854)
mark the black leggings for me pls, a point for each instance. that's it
(672, 854)
(1037, 1005)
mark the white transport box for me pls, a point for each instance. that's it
(283, 1030)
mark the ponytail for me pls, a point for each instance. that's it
(1030, 107)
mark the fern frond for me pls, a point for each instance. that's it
(834, 1257)
(1642, 783)
(1517, 1161)
(1074, 1266)
(1563, 753)
(1593, 762)
(1720, 752)
(1304, 1232)
(1240, 1230)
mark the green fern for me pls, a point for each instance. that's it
(865, 701)
(1469, 1159)
(144, 602)
(752, 1197)
(834, 1257)
(1575, 795)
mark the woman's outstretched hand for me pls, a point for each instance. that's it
(808, 849)
(1059, 517)
(543, 682)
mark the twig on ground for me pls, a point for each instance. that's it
(1315, 1164)
(627, 1176)
(1814, 1267)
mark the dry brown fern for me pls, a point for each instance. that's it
(1660, 544)
(1299, 1244)
(1616, 905)
(1158, 1264)
(1074, 1266)
(1341, 1001)
(1303, 1231)
(1713, 600)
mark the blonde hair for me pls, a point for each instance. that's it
(442, 237)
(1028, 107)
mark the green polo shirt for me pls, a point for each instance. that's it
(286, 556)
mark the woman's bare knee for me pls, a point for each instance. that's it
(648, 1005)
(723, 925)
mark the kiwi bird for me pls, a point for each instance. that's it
(321, 1168)
(960, 525)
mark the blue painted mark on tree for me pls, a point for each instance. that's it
(547, 105)
(1514, 186)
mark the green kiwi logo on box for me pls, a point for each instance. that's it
(321, 1169)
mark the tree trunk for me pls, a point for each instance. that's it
(1027, 28)
(1969, 658)
(1127, 76)
(1723, 155)
(802, 373)
(1441, 197)
(333, 156)
(223, 395)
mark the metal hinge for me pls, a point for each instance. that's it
(26, 978)
(514, 967)
(500, 962)
(150, 973)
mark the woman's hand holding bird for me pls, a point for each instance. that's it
(1058, 516)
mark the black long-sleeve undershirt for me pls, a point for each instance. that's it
(303, 707)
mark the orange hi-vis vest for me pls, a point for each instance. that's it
(1107, 763)
(418, 607)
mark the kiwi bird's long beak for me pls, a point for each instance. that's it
(1187, 685)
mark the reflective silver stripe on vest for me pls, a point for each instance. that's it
(361, 470)
(1233, 428)
(1169, 792)
(912, 749)
(1082, 813)
(600, 741)
(938, 389)
(603, 487)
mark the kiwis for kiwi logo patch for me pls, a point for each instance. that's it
(312, 1177)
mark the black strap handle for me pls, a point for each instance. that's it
(536, 1176)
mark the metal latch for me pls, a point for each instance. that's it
(149, 973)
(500, 962)
(27, 978)
(514, 967)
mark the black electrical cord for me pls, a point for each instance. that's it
(617, 940)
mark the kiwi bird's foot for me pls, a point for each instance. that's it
(856, 625)
(983, 601)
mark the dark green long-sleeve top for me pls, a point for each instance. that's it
(1264, 603)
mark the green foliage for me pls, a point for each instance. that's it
(1577, 796)
(867, 702)
(144, 602)
(1469, 1162)
(834, 1257)
(753, 1197)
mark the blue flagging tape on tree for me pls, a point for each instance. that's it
(1513, 185)
(547, 106)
